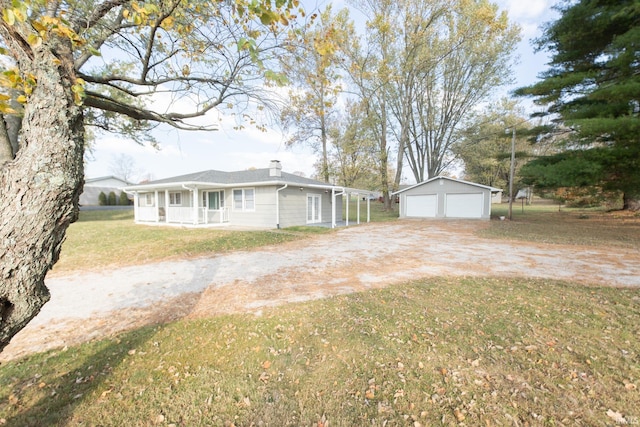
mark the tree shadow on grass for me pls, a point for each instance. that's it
(57, 382)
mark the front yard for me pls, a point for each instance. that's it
(488, 350)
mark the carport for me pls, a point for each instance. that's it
(444, 197)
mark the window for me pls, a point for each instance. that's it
(148, 199)
(249, 203)
(244, 200)
(175, 199)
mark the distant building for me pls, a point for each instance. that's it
(94, 186)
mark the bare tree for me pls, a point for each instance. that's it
(124, 167)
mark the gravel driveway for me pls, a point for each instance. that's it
(92, 305)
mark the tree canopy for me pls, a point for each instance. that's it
(592, 91)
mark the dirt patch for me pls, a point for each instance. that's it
(92, 305)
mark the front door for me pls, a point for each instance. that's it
(214, 200)
(313, 208)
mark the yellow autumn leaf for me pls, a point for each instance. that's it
(8, 16)
(34, 40)
(167, 23)
(6, 109)
(22, 99)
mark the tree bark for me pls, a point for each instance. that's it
(40, 188)
(631, 202)
(6, 148)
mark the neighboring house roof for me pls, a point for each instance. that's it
(227, 179)
(106, 181)
(486, 187)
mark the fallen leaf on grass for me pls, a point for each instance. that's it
(266, 364)
(616, 416)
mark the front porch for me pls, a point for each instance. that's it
(184, 206)
(182, 215)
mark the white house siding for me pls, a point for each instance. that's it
(292, 203)
(264, 214)
(454, 199)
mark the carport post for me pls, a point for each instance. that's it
(368, 209)
(346, 221)
(358, 207)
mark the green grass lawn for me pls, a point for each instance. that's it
(432, 352)
(448, 351)
(544, 223)
(108, 239)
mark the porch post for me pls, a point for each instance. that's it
(136, 202)
(196, 218)
(166, 206)
(205, 207)
(156, 205)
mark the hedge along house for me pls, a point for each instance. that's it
(443, 197)
(261, 198)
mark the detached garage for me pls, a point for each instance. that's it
(443, 197)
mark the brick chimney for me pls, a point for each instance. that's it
(275, 168)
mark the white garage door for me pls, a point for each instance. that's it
(424, 206)
(464, 205)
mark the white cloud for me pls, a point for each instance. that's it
(526, 10)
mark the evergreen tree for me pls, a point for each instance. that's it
(102, 199)
(123, 199)
(111, 199)
(592, 90)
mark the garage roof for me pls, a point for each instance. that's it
(492, 189)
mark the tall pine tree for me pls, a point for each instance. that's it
(592, 89)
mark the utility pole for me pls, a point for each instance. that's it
(511, 171)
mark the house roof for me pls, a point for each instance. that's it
(227, 179)
(492, 189)
(105, 178)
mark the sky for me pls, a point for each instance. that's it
(183, 152)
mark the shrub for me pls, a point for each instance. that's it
(112, 199)
(102, 199)
(123, 200)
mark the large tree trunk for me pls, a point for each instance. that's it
(39, 189)
(631, 202)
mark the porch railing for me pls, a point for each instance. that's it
(217, 215)
(181, 215)
(147, 213)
